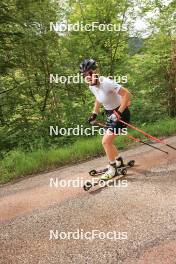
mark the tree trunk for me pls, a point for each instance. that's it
(171, 78)
(2, 120)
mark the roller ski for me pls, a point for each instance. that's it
(122, 165)
(109, 173)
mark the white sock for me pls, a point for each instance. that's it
(111, 168)
(118, 163)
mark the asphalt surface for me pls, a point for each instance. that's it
(36, 220)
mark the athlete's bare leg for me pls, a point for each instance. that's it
(108, 145)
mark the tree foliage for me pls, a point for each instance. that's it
(30, 52)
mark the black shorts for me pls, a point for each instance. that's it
(116, 126)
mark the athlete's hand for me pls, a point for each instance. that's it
(92, 118)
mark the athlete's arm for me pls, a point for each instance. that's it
(126, 95)
(96, 107)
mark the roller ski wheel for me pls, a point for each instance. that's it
(97, 172)
(92, 172)
(87, 186)
(124, 171)
(131, 163)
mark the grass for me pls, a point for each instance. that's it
(18, 163)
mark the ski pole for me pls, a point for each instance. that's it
(99, 124)
(143, 132)
(143, 142)
(131, 137)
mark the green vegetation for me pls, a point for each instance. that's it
(17, 163)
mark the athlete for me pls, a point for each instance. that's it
(112, 96)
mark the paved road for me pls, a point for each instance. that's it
(139, 213)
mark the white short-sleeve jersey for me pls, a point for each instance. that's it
(107, 93)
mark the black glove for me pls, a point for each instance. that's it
(92, 118)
